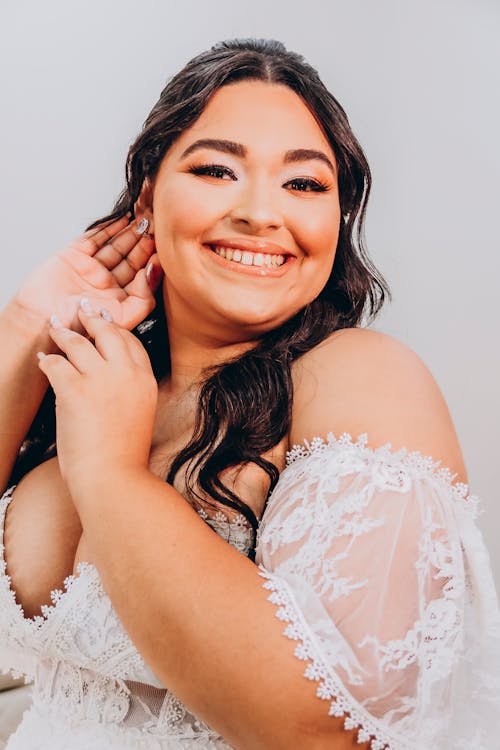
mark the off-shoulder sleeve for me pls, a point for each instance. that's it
(380, 573)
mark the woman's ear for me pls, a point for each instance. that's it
(143, 207)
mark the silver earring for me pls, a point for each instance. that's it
(142, 226)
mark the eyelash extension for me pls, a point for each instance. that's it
(206, 168)
(315, 186)
(218, 170)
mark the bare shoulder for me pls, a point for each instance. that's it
(361, 380)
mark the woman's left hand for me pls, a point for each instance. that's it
(106, 398)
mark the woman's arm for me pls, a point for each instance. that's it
(197, 611)
(22, 385)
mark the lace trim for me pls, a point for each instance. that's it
(237, 531)
(56, 595)
(330, 686)
(413, 462)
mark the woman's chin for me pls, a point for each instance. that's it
(255, 320)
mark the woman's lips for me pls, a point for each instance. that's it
(238, 267)
(250, 245)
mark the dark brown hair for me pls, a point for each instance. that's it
(244, 405)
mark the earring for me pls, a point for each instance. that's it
(142, 227)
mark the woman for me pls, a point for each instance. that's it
(235, 252)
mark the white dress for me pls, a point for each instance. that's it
(377, 569)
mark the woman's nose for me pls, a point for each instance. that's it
(257, 207)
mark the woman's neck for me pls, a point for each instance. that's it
(190, 357)
(194, 348)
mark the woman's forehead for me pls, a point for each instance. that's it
(257, 114)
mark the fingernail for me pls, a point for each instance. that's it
(41, 355)
(55, 321)
(85, 305)
(142, 225)
(106, 315)
(149, 271)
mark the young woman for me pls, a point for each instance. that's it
(211, 373)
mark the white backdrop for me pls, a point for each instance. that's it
(420, 81)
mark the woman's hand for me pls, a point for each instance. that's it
(107, 265)
(106, 397)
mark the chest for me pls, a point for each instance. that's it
(173, 429)
(43, 538)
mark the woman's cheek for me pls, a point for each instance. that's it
(173, 208)
(317, 233)
(189, 217)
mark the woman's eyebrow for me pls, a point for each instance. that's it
(237, 149)
(229, 147)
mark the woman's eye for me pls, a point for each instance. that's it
(305, 185)
(213, 170)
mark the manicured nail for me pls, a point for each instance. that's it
(149, 271)
(55, 321)
(85, 305)
(106, 315)
(41, 355)
(142, 225)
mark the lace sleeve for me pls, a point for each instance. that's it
(377, 566)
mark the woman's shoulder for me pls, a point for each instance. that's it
(361, 380)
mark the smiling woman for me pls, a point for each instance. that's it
(238, 570)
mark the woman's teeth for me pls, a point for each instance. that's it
(249, 259)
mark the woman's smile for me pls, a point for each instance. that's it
(254, 257)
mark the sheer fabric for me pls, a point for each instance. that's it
(377, 565)
(374, 563)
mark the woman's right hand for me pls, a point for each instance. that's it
(107, 265)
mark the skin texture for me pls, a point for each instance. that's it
(167, 574)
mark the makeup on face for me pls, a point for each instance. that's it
(246, 209)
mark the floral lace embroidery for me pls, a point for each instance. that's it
(394, 468)
(336, 491)
(236, 531)
(330, 687)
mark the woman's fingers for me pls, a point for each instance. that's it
(118, 248)
(80, 351)
(112, 341)
(140, 300)
(142, 285)
(93, 240)
(126, 253)
(59, 371)
(111, 344)
(154, 272)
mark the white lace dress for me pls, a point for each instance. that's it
(376, 567)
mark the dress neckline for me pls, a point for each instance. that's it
(415, 463)
(235, 530)
(84, 571)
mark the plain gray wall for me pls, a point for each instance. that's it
(420, 83)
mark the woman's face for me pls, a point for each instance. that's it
(246, 213)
